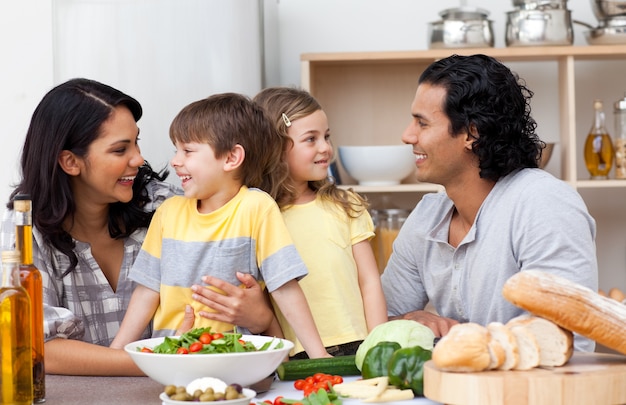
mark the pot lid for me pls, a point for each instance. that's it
(464, 13)
(620, 105)
(540, 4)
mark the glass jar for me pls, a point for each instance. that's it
(387, 224)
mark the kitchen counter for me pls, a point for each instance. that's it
(73, 390)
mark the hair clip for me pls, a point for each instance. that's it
(286, 120)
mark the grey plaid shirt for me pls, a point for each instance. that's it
(82, 305)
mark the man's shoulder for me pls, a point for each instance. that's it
(535, 181)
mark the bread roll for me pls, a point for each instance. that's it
(507, 340)
(616, 294)
(569, 305)
(556, 345)
(464, 349)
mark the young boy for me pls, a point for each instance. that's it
(226, 153)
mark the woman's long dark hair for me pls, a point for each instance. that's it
(484, 94)
(70, 117)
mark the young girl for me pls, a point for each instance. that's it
(330, 227)
(226, 151)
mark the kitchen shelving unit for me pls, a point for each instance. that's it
(367, 97)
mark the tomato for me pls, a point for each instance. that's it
(146, 350)
(268, 402)
(196, 347)
(299, 384)
(317, 377)
(337, 379)
(310, 380)
(308, 387)
(216, 336)
(205, 338)
(182, 350)
(278, 400)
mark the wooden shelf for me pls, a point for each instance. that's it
(367, 95)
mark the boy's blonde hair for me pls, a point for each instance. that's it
(229, 119)
(296, 103)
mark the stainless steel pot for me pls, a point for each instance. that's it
(463, 27)
(604, 9)
(539, 27)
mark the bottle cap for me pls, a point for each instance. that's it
(620, 105)
(10, 256)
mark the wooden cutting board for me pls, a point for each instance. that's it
(587, 379)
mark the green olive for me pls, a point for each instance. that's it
(183, 396)
(207, 397)
(170, 390)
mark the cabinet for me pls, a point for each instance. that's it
(367, 97)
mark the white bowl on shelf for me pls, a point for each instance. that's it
(383, 165)
(244, 368)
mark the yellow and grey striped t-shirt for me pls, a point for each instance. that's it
(247, 234)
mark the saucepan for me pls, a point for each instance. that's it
(461, 27)
(539, 27)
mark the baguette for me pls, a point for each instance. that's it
(569, 305)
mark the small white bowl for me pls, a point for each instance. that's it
(243, 368)
(249, 396)
(384, 165)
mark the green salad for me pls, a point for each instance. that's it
(203, 341)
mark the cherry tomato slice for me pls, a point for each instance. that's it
(216, 336)
(146, 350)
(182, 350)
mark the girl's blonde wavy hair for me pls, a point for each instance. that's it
(294, 104)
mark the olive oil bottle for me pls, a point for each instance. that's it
(31, 280)
(16, 380)
(599, 152)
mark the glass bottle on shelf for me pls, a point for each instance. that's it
(598, 146)
(620, 138)
(16, 365)
(32, 282)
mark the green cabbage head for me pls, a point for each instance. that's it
(406, 332)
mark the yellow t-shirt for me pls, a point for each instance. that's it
(324, 234)
(247, 234)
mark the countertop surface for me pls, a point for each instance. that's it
(72, 390)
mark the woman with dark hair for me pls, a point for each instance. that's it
(93, 198)
(472, 132)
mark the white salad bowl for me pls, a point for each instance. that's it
(244, 368)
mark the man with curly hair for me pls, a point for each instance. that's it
(472, 132)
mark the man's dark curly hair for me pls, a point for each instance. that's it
(484, 95)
